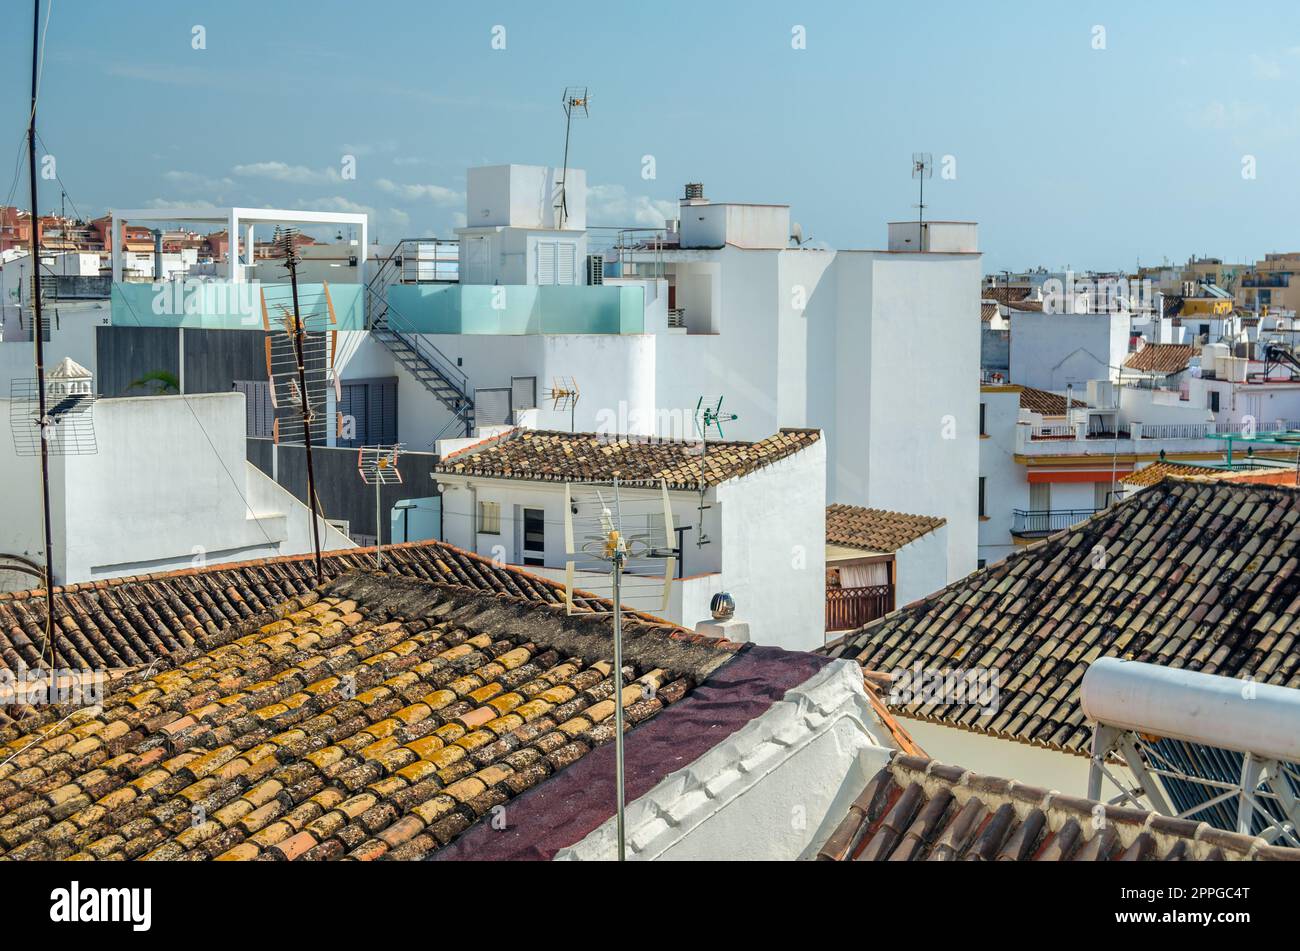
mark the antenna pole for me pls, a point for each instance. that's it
(298, 333)
(564, 174)
(618, 679)
(38, 328)
(379, 527)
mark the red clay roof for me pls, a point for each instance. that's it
(127, 622)
(1195, 574)
(378, 717)
(875, 529)
(1045, 402)
(917, 810)
(550, 456)
(1161, 358)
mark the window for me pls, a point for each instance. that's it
(489, 518)
(1214, 401)
(980, 563)
(259, 414)
(981, 496)
(369, 412)
(983, 431)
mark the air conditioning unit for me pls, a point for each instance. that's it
(595, 269)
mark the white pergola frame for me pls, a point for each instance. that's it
(233, 217)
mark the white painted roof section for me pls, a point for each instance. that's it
(69, 369)
(774, 790)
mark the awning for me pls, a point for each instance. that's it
(1080, 475)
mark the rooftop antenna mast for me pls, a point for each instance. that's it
(563, 395)
(922, 168)
(299, 359)
(618, 538)
(575, 103)
(708, 418)
(37, 334)
(377, 466)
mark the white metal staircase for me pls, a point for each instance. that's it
(434, 370)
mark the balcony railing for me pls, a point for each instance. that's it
(847, 609)
(1043, 522)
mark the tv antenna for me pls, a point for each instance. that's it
(922, 168)
(618, 534)
(563, 395)
(575, 103)
(377, 466)
(300, 348)
(709, 417)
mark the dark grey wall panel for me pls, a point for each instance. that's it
(215, 359)
(341, 491)
(124, 354)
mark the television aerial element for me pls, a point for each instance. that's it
(576, 101)
(66, 427)
(377, 466)
(922, 168)
(709, 418)
(621, 531)
(563, 395)
(301, 338)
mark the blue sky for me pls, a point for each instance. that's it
(1066, 154)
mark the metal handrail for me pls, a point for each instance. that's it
(1045, 521)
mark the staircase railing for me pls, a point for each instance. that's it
(386, 321)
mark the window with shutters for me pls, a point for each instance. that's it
(557, 262)
(369, 411)
(492, 406)
(523, 393)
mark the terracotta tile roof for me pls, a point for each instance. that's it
(1045, 402)
(1200, 575)
(547, 456)
(1150, 475)
(126, 622)
(875, 529)
(1161, 358)
(1002, 294)
(918, 810)
(1026, 305)
(377, 717)
(988, 310)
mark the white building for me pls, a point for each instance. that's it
(166, 486)
(757, 531)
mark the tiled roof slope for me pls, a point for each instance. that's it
(875, 529)
(1198, 575)
(125, 622)
(1150, 475)
(1004, 294)
(1161, 358)
(988, 310)
(1045, 402)
(918, 810)
(379, 717)
(546, 456)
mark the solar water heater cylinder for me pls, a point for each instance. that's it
(1216, 711)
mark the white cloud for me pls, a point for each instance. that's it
(283, 172)
(196, 180)
(611, 205)
(437, 194)
(1265, 68)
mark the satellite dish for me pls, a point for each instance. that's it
(796, 234)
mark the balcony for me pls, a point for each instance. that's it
(1044, 522)
(847, 609)
(1069, 439)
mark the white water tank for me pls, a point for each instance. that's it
(1216, 711)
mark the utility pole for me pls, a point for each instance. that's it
(291, 262)
(37, 333)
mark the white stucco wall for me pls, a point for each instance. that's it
(790, 774)
(991, 756)
(921, 566)
(1052, 351)
(168, 488)
(774, 549)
